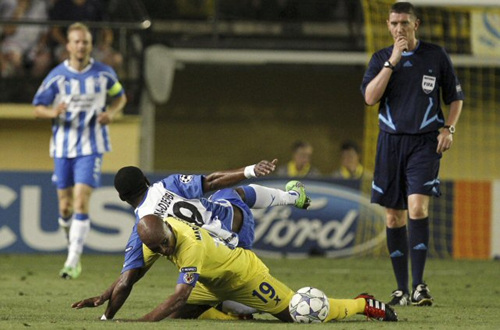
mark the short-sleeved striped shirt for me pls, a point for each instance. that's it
(181, 196)
(76, 132)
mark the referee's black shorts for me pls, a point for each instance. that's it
(405, 165)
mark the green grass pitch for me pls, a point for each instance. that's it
(32, 296)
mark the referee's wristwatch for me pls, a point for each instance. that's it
(389, 65)
(450, 128)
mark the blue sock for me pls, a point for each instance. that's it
(250, 196)
(81, 216)
(419, 243)
(397, 243)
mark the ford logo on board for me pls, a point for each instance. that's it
(340, 222)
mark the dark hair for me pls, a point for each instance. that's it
(404, 8)
(348, 145)
(299, 144)
(130, 183)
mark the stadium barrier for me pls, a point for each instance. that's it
(24, 140)
(340, 222)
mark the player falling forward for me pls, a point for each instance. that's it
(225, 214)
(210, 272)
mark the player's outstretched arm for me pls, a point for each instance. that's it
(170, 306)
(116, 294)
(97, 300)
(122, 290)
(225, 179)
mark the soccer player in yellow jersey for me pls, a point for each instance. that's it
(210, 272)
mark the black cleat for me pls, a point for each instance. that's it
(399, 298)
(420, 296)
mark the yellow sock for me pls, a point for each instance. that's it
(342, 308)
(215, 314)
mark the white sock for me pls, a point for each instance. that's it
(266, 197)
(64, 222)
(77, 235)
(237, 308)
(65, 225)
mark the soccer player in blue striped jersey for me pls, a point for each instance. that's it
(73, 96)
(226, 214)
(409, 78)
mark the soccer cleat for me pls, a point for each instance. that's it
(399, 298)
(69, 273)
(65, 225)
(420, 296)
(377, 310)
(303, 201)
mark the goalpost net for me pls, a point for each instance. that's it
(470, 32)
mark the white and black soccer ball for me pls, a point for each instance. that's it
(309, 305)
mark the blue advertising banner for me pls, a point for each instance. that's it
(29, 212)
(340, 221)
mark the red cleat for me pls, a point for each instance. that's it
(377, 310)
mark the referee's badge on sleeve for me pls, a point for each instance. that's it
(428, 84)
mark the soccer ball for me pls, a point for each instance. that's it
(309, 305)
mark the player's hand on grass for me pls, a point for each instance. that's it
(128, 320)
(265, 167)
(89, 302)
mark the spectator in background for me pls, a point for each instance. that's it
(300, 164)
(105, 53)
(24, 46)
(350, 162)
(84, 11)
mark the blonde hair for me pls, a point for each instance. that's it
(78, 26)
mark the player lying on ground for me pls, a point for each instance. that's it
(211, 272)
(226, 214)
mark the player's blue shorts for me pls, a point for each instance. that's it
(405, 165)
(246, 234)
(84, 169)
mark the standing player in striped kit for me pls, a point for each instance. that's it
(74, 95)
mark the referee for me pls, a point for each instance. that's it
(408, 78)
